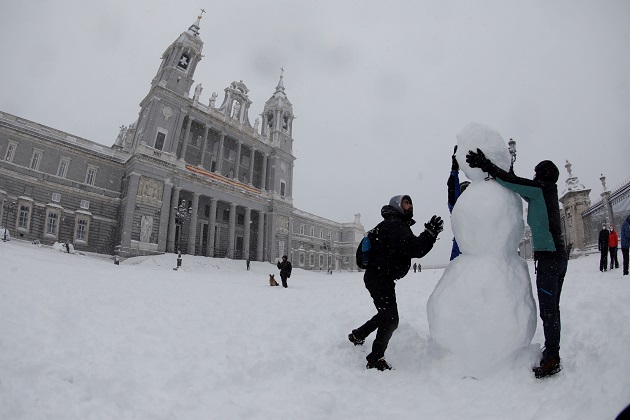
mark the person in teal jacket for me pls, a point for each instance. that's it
(550, 256)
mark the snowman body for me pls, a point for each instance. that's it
(482, 309)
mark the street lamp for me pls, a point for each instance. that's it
(182, 214)
(328, 246)
(512, 150)
(8, 206)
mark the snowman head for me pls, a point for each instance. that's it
(478, 136)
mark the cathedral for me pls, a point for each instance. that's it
(186, 177)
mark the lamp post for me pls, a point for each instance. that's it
(512, 150)
(328, 246)
(8, 206)
(182, 214)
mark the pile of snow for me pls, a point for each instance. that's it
(81, 337)
(62, 247)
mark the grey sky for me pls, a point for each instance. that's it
(380, 89)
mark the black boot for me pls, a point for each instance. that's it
(355, 340)
(379, 364)
(548, 367)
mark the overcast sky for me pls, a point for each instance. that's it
(379, 89)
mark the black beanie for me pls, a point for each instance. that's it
(547, 171)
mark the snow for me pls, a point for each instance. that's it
(83, 338)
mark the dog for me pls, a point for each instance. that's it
(272, 281)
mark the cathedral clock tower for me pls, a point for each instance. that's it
(179, 61)
(277, 126)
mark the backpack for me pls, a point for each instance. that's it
(365, 247)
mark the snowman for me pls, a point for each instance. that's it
(482, 311)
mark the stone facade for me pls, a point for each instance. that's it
(183, 177)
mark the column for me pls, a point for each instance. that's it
(290, 238)
(231, 230)
(238, 159)
(132, 193)
(271, 240)
(219, 167)
(182, 155)
(248, 222)
(178, 130)
(261, 235)
(205, 144)
(264, 173)
(192, 225)
(211, 227)
(251, 167)
(290, 181)
(170, 241)
(165, 213)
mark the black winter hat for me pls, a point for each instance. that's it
(547, 171)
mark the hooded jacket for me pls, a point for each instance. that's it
(395, 244)
(613, 238)
(625, 233)
(543, 215)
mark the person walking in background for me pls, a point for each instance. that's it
(550, 255)
(613, 242)
(602, 245)
(414, 267)
(247, 264)
(67, 246)
(392, 249)
(625, 243)
(455, 189)
(285, 270)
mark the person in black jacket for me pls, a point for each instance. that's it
(285, 270)
(392, 249)
(550, 257)
(602, 245)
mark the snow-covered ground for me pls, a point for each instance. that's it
(82, 338)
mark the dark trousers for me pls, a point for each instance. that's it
(385, 322)
(614, 262)
(549, 279)
(624, 253)
(603, 260)
(284, 280)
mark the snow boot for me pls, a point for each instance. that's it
(355, 340)
(548, 367)
(379, 364)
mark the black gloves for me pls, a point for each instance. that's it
(434, 226)
(478, 160)
(455, 165)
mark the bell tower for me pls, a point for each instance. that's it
(277, 118)
(180, 60)
(277, 129)
(162, 113)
